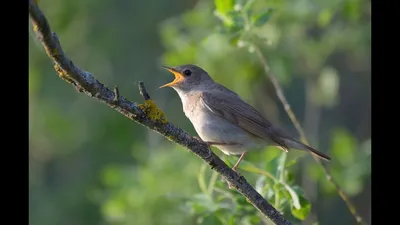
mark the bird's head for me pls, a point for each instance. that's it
(188, 77)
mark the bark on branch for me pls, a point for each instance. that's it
(86, 83)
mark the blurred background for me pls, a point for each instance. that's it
(90, 165)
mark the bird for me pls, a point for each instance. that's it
(223, 119)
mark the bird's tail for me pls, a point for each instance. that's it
(297, 145)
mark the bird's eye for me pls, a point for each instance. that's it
(187, 72)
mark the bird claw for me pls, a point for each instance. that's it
(237, 173)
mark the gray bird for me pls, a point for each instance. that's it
(222, 119)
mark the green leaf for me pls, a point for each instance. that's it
(281, 167)
(352, 10)
(343, 146)
(224, 194)
(251, 168)
(202, 203)
(324, 17)
(277, 186)
(234, 39)
(273, 163)
(233, 21)
(291, 163)
(229, 28)
(269, 192)
(248, 11)
(231, 221)
(237, 19)
(260, 184)
(209, 219)
(247, 5)
(112, 176)
(294, 196)
(298, 190)
(260, 19)
(289, 176)
(303, 211)
(254, 219)
(224, 6)
(201, 179)
(212, 182)
(114, 208)
(328, 85)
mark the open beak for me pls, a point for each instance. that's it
(178, 77)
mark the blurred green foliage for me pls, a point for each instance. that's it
(90, 165)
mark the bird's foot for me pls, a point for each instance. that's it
(237, 173)
(238, 162)
(234, 170)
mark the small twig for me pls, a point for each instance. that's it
(296, 123)
(143, 91)
(93, 88)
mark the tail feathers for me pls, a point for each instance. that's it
(301, 146)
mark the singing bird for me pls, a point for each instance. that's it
(222, 119)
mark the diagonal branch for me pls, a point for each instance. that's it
(303, 137)
(147, 115)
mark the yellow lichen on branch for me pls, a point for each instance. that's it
(152, 111)
(63, 75)
(35, 27)
(52, 52)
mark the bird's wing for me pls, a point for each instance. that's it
(238, 112)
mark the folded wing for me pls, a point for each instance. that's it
(238, 112)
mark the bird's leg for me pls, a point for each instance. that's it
(209, 143)
(235, 166)
(240, 159)
(238, 162)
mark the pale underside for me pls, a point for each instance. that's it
(213, 123)
(237, 141)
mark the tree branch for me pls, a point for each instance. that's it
(147, 115)
(303, 137)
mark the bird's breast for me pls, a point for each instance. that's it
(190, 105)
